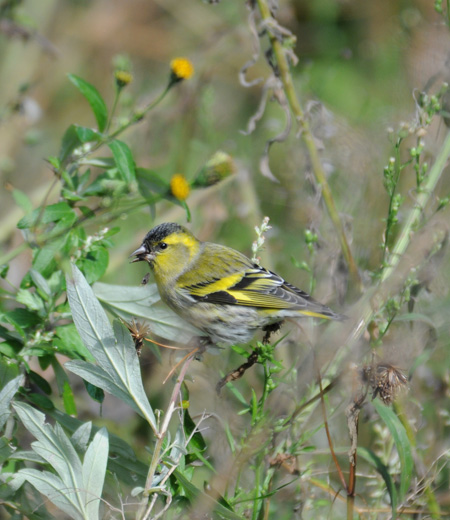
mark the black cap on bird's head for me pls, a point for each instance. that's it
(155, 236)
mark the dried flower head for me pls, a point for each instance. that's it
(181, 68)
(123, 78)
(139, 331)
(179, 187)
(385, 380)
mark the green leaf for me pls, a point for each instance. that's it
(6, 450)
(68, 342)
(382, 469)
(31, 300)
(41, 284)
(22, 320)
(69, 143)
(94, 470)
(41, 401)
(64, 388)
(40, 382)
(52, 213)
(122, 460)
(95, 392)
(402, 444)
(81, 436)
(66, 490)
(114, 351)
(144, 302)
(94, 98)
(69, 400)
(86, 135)
(94, 264)
(52, 487)
(124, 160)
(149, 183)
(6, 396)
(4, 268)
(22, 200)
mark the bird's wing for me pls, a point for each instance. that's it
(254, 286)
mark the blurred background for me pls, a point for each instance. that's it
(361, 66)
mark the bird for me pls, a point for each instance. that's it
(219, 290)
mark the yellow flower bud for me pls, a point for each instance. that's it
(218, 168)
(123, 78)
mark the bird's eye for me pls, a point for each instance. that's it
(163, 245)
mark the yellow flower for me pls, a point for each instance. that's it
(181, 68)
(179, 187)
(123, 78)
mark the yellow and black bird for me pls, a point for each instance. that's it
(219, 290)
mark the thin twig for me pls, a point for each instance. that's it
(319, 172)
(327, 430)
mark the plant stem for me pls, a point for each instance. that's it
(422, 198)
(144, 511)
(319, 173)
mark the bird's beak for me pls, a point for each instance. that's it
(141, 254)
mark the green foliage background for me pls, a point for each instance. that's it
(365, 77)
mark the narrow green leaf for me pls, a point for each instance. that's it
(402, 444)
(94, 98)
(382, 469)
(68, 399)
(124, 160)
(94, 470)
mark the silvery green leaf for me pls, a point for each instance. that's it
(55, 490)
(144, 302)
(30, 456)
(122, 460)
(118, 371)
(90, 320)
(80, 437)
(53, 445)
(94, 470)
(6, 395)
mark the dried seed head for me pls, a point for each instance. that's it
(385, 380)
(139, 331)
